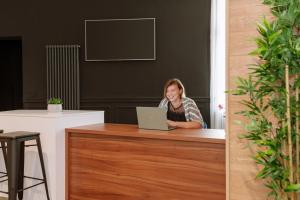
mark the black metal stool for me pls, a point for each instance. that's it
(13, 145)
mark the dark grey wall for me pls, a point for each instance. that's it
(183, 32)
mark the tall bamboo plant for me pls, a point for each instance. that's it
(272, 100)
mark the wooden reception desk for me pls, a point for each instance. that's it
(122, 162)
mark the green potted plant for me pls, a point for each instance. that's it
(271, 103)
(55, 105)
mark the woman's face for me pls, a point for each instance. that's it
(173, 93)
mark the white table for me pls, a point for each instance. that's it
(52, 132)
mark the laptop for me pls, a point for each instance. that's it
(152, 118)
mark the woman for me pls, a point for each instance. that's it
(182, 112)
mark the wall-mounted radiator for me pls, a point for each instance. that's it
(63, 74)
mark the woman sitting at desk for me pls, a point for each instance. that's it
(182, 112)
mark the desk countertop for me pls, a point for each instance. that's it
(126, 130)
(45, 113)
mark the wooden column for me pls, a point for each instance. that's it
(242, 18)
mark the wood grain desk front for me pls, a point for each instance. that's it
(118, 161)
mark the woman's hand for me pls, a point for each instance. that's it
(172, 123)
(192, 124)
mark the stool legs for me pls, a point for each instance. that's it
(21, 171)
(13, 168)
(38, 142)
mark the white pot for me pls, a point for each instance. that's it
(54, 107)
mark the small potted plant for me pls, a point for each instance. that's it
(55, 105)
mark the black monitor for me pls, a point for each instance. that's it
(120, 39)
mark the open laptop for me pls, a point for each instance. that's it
(152, 118)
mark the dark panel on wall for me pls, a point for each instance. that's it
(120, 39)
(182, 49)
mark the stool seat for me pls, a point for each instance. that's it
(18, 134)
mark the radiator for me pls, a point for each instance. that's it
(63, 74)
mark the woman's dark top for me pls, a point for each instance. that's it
(176, 114)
